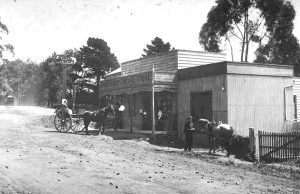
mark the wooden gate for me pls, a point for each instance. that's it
(273, 146)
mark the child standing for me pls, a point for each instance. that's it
(189, 130)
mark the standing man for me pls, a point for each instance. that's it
(111, 116)
(189, 130)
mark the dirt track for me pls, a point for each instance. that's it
(37, 159)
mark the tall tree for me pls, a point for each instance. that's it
(282, 46)
(231, 19)
(157, 46)
(51, 73)
(4, 47)
(97, 60)
(5, 88)
(266, 22)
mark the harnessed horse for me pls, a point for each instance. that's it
(217, 132)
(100, 117)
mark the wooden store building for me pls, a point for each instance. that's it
(159, 92)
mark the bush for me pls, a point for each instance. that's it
(239, 146)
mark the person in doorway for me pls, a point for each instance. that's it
(160, 124)
(111, 117)
(144, 117)
(119, 108)
(189, 130)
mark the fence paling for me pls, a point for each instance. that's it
(278, 145)
(284, 147)
(294, 146)
(273, 145)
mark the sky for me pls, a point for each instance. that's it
(37, 28)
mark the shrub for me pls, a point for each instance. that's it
(239, 146)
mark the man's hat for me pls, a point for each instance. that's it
(64, 101)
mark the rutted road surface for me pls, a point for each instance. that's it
(34, 158)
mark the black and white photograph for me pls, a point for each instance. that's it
(149, 96)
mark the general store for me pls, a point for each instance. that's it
(160, 91)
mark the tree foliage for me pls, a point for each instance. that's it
(4, 47)
(228, 19)
(20, 79)
(85, 68)
(52, 76)
(5, 88)
(96, 60)
(282, 46)
(266, 22)
(157, 46)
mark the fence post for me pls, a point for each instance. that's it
(251, 140)
(258, 150)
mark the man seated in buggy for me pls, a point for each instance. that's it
(64, 104)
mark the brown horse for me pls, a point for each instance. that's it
(100, 117)
(217, 132)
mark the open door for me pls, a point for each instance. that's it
(201, 106)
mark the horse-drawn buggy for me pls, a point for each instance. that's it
(65, 120)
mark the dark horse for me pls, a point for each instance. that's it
(217, 132)
(100, 117)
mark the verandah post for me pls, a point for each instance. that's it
(153, 103)
(130, 111)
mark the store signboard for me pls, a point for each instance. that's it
(128, 81)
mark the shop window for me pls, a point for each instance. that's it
(165, 105)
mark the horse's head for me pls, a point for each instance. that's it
(215, 123)
(100, 112)
(204, 124)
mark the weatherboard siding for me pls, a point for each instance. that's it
(188, 59)
(171, 61)
(163, 62)
(259, 102)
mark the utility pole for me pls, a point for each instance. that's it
(74, 95)
(153, 102)
(64, 86)
(65, 62)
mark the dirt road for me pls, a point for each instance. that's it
(37, 159)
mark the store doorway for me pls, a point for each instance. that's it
(201, 106)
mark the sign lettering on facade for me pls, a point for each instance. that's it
(143, 78)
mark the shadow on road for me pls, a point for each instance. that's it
(70, 132)
(166, 140)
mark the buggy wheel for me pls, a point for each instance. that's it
(63, 122)
(77, 125)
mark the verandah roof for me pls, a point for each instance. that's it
(162, 81)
